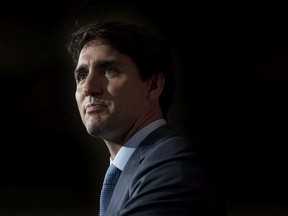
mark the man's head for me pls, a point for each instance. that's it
(151, 53)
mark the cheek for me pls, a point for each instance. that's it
(127, 86)
(79, 98)
(132, 94)
(116, 89)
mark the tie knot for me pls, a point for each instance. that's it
(112, 175)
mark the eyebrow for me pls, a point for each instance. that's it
(100, 64)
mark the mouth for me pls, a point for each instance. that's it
(94, 107)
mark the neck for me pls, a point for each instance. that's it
(114, 147)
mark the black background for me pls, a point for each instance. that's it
(232, 96)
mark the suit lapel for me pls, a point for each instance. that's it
(122, 188)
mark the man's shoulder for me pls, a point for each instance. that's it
(169, 136)
(167, 142)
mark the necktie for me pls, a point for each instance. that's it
(109, 183)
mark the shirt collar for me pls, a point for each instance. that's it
(129, 147)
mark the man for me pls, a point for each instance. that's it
(125, 86)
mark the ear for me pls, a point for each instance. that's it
(155, 86)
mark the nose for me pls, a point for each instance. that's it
(92, 85)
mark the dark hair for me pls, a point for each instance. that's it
(150, 52)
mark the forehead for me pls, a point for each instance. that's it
(97, 53)
(97, 49)
(94, 43)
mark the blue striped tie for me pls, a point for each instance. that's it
(109, 183)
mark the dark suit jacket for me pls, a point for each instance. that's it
(164, 176)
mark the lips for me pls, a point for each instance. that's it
(94, 107)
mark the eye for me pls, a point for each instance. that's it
(111, 72)
(81, 77)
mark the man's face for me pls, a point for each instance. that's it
(110, 94)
